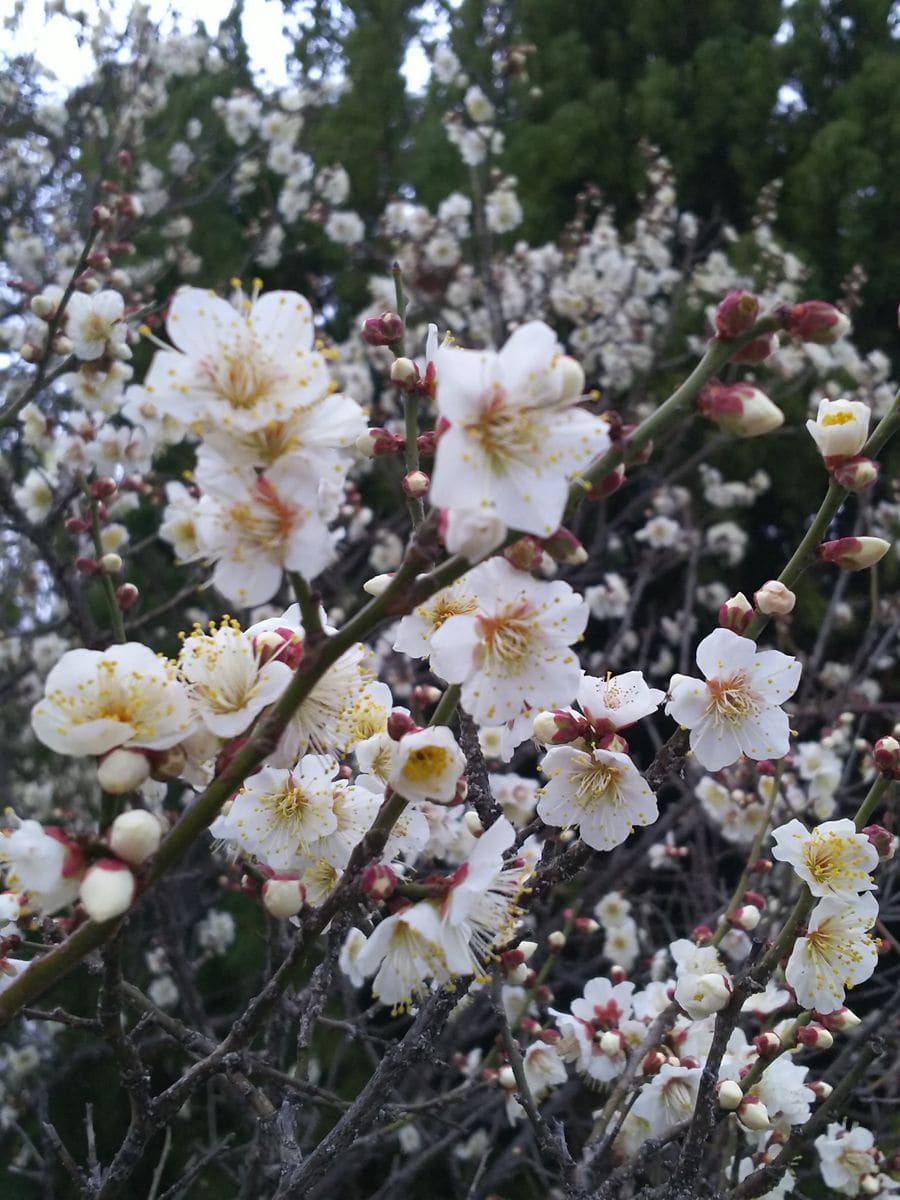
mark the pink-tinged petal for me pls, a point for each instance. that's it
(283, 323)
(688, 700)
(201, 323)
(775, 676)
(715, 746)
(767, 735)
(724, 652)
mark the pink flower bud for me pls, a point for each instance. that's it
(122, 771)
(556, 727)
(400, 723)
(883, 840)
(755, 898)
(730, 1095)
(135, 835)
(376, 442)
(426, 443)
(101, 215)
(856, 474)
(415, 484)
(702, 935)
(887, 755)
(617, 974)
(586, 925)
(758, 350)
(107, 889)
(283, 896)
(735, 613)
(525, 555)
(103, 488)
(774, 599)
(426, 694)
(608, 484)
(652, 1062)
(735, 314)
(86, 565)
(815, 321)
(753, 1114)
(842, 1020)
(564, 547)
(383, 330)
(77, 524)
(854, 553)
(815, 1036)
(741, 409)
(378, 881)
(127, 595)
(767, 1043)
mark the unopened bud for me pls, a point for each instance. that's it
(506, 1077)
(100, 215)
(127, 595)
(415, 484)
(42, 307)
(735, 614)
(103, 488)
(746, 917)
(87, 565)
(758, 350)
(426, 694)
(111, 563)
(740, 409)
(283, 896)
(166, 765)
(564, 547)
(842, 1020)
(711, 992)
(702, 935)
(608, 484)
(821, 1089)
(652, 1062)
(735, 314)
(774, 599)
(870, 1185)
(383, 330)
(135, 835)
(767, 1043)
(400, 723)
(404, 373)
(612, 1043)
(856, 474)
(378, 881)
(556, 728)
(816, 1036)
(376, 442)
(883, 840)
(122, 771)
(107, 889)
(378, 584)
(586, 925)
(753, 1114)
(77, 524)
(854, 553)
(63, 344)
(472, 822)
(730, 1095)
(29, 352)
(526, 554)
(556, 941)
(887, 756)
(617, 974)
(815, 321)
(527, 949)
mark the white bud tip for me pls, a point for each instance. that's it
(107, 890)
(135, 835)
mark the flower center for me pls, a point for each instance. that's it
(730, 700)
(241, 379)
(508, 636)
(839, 418)
(505, 433)
(425, 763)
(595, 781)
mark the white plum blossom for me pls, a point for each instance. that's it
(345, 227)
(95, 327)
(668, 1099)
(601, 792)
(604, 1007)
(617, 701)
(515, 435)
(514, 648)
(42, 864)
(237, 370)
(427, 765)
(415, 631)
(840, 428)
(846, 1156)
(95, 700)
(832, 859)
(736, 710)
(230, 681)
(403, 953)
(835, 953)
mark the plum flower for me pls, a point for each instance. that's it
(836, 952)
(95, 700)
(515, 435)
(514, 648)
(736, 710)
(840, 427)
(237, 370)
(832, 860)
(601, 792)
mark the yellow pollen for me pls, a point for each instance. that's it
(425, 762)
(844, 417)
